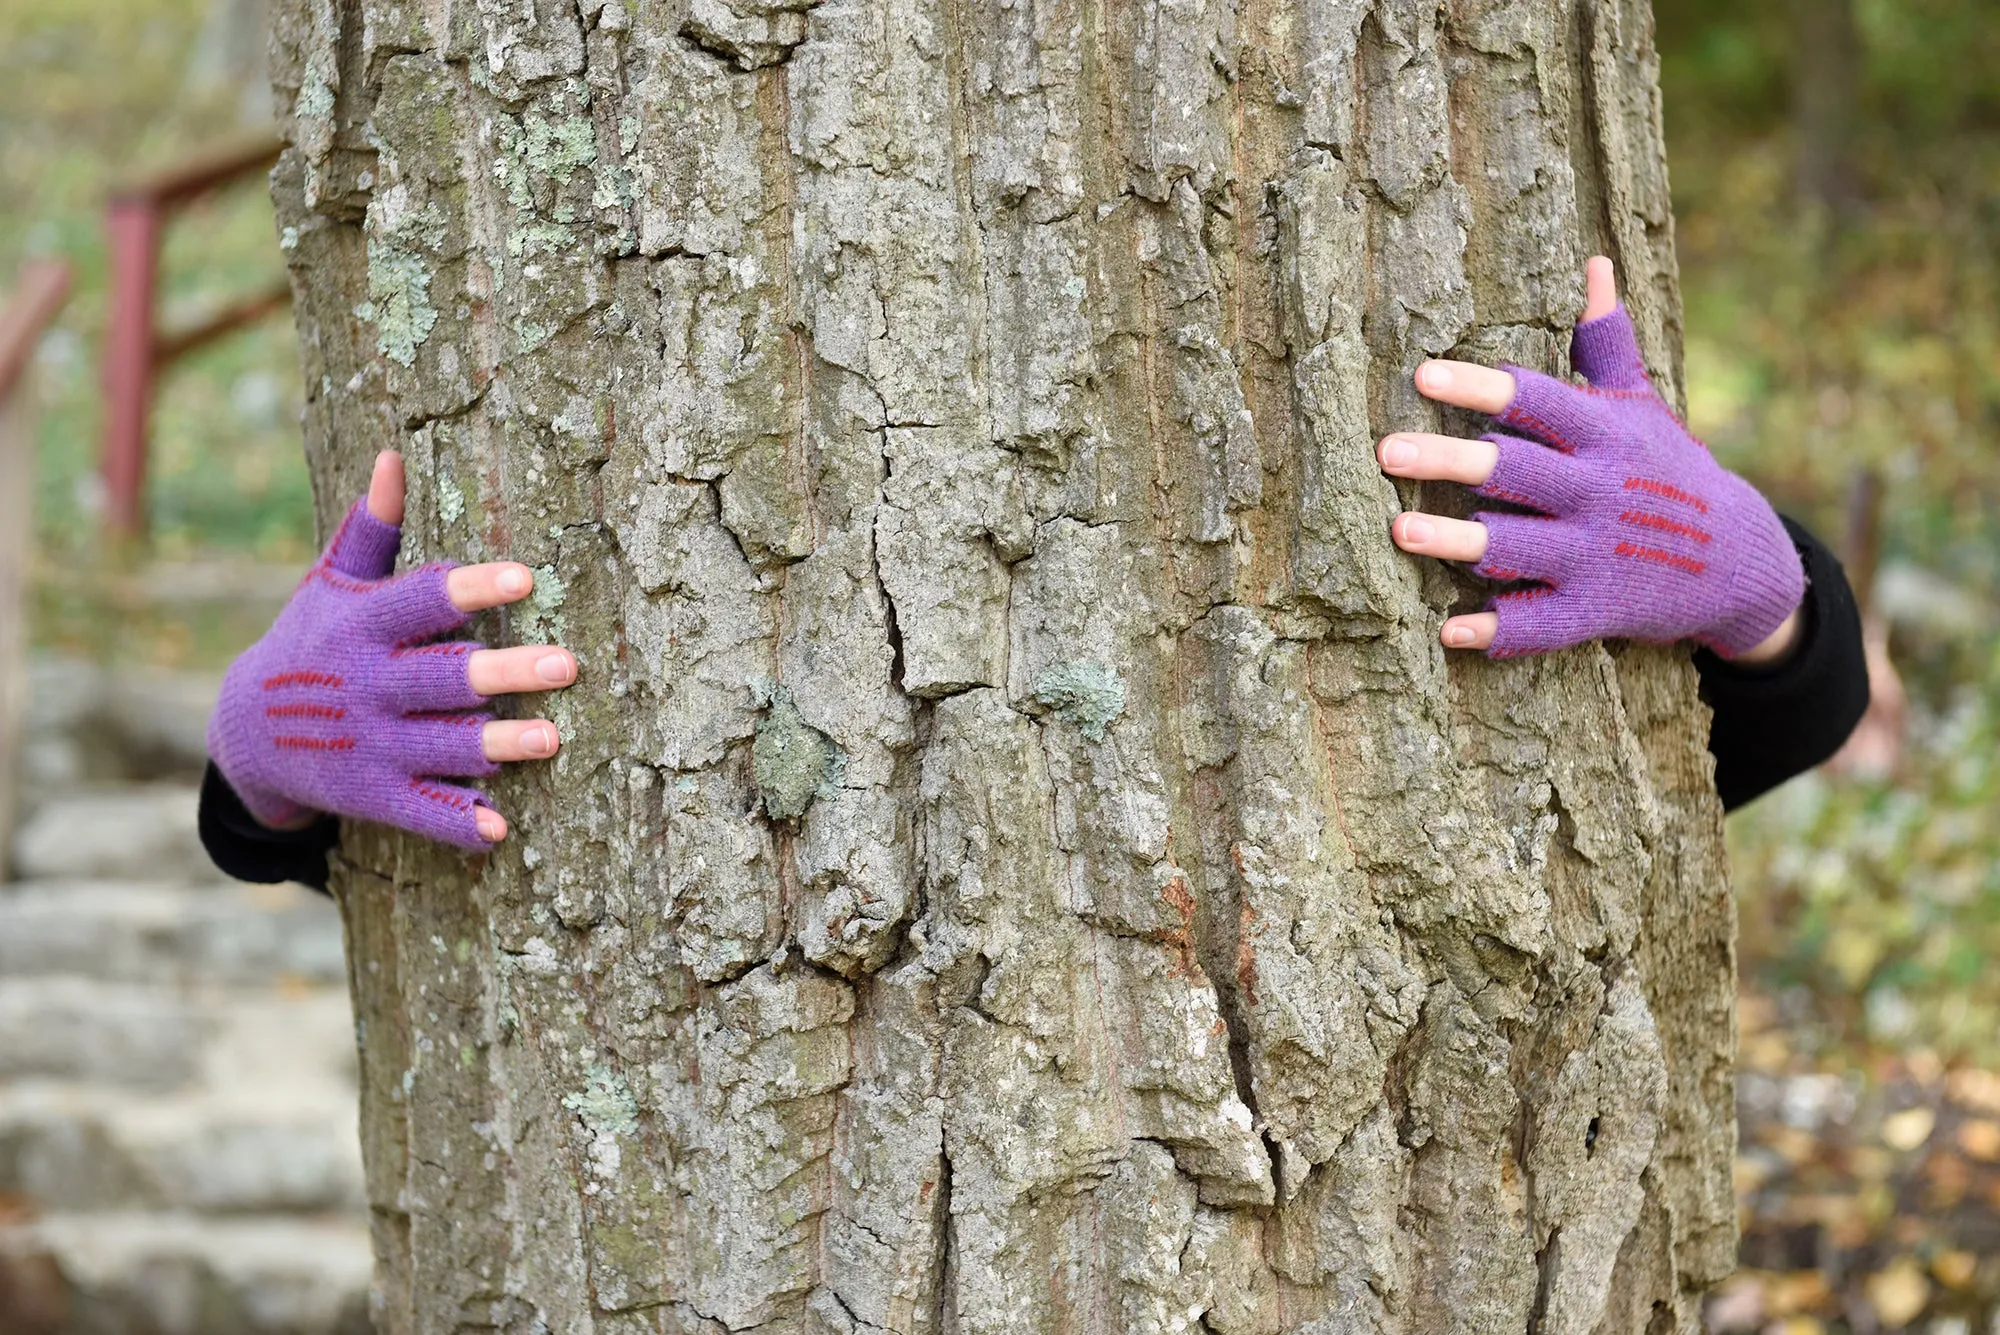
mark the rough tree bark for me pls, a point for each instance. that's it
(1021, 860)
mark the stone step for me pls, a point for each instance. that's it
(158, 1038)
(131, 832)
(265, 1148)
(178, 1274)
(126, 932)
(89, 723)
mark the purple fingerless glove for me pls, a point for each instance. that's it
(1639, 532)
(344, 708)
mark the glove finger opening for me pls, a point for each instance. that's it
(1606, 351)
(363, 547)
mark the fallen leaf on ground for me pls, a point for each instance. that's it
(1980, 1138)
(1908, 1129)
(1976, 1090)
(1898, 1293)
(1796, 1292)
(1737, 1306)
(1954, 1269)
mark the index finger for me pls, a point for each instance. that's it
(489, 584)
(1465, 385)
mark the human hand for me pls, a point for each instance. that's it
(1636, 532)
(348, 706)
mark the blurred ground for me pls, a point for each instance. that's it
(1838, 216)
(1837, 192)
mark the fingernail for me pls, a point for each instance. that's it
(1417, 529)
(1398, 453)
(1458, 635)
(488, 824)
(553, 669)
(539, 741)
(1436, 375)
(513, 582)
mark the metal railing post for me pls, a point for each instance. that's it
(134, 227)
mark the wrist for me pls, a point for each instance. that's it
(1779, 645)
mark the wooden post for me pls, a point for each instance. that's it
(36, 301)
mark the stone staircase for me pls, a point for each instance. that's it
(178, 1151)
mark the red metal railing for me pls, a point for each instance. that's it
(135, 349)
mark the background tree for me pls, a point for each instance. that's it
(1021, 860)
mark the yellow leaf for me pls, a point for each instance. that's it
(1898, 1293)
(1795, 1292)
(1751, 1174)
(1954, 1269)
(1766, 1052)
(1980, 1138)
(1908, 1129)
(1975, 1089)
(1870, 1163)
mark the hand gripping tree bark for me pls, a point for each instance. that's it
(1020, 859)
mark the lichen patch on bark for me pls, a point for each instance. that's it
(795, 762)
(1087, 696)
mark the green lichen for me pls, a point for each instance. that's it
(539, 238)
(451, 499)
(557, 148)
(1084, 694)
(606, 1104)
(795, 763)
(315, 99)
(545, 604)
(615, 189)
(539, 147)
(399, 286)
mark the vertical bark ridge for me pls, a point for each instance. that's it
(1020, 860)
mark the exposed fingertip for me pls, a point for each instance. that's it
(514, 581)
(1600, 283)
(1434, 377)
(540, 740)
(557, 669)
(385, 488)
(1397, 453)
(1457, 636)
(491, 824)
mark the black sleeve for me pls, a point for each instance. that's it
(242, 848)
(1773, 723)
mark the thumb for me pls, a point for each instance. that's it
(365, 544)
(385, 488)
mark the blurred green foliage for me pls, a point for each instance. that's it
(93, 93)
(1825, 337)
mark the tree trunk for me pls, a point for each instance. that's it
(1021, 860)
